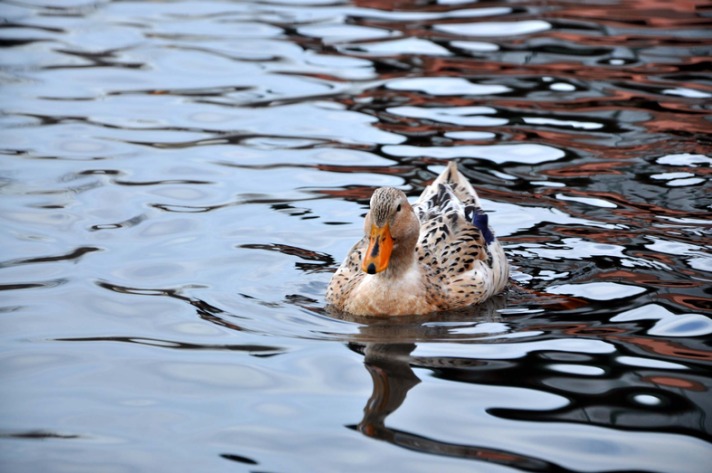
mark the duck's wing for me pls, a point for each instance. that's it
(347, 276)
(456, 242)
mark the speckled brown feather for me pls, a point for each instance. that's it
(347, 276)
(453, 267)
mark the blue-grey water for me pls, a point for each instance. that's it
(179, 179)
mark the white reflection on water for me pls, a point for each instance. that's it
(399, 46)
(495, 28)
(668, 324)
(600, 291)
(446, 86)
(516, 350)
(516, 153)
(469, 116)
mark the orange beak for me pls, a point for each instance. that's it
(379, 250)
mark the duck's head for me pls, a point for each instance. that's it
(392, 229)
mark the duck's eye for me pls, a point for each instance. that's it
(398, 209)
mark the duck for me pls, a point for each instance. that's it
(437, 254)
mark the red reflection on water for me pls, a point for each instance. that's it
(675, 382)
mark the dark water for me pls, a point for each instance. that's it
(179, 180)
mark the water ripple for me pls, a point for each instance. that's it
(180, 179)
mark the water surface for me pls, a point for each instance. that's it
(180, 179)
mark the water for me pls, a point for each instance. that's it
(179, 180)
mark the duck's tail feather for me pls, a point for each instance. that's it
(454, 180)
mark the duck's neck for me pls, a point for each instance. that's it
(402, 261)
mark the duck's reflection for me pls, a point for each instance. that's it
(392, 377)
(387, 347)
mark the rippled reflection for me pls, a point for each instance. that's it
(179, 180)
